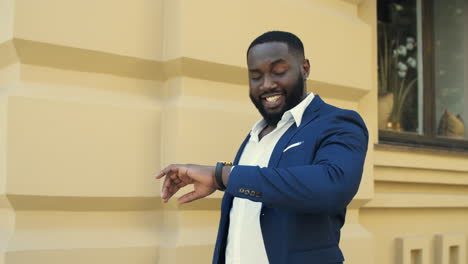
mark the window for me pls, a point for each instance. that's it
(423, 71)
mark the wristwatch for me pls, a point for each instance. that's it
(219, 174)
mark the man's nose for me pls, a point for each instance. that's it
(268, 83)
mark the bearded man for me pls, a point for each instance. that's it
(300, 166)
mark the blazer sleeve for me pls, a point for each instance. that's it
(328, 184)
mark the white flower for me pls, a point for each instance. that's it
(411, 62)
(410, 43)
(395, 53)
(402, 67)
(402, 74)
(402, 50)
(398, 7)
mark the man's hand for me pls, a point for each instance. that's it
(178, 176)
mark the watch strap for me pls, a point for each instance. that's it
(219, 174)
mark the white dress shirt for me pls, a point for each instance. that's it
(245, 242)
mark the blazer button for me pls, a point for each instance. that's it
(241, 190)
(247, 192)
(252, 193)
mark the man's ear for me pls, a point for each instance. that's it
(305, 68)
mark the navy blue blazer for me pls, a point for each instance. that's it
(305, 189)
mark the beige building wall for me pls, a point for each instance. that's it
(96, 96)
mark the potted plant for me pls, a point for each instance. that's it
(397, 64)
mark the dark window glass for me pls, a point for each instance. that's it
(423, 69)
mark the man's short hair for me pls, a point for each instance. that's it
(293, 42)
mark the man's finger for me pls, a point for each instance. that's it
(164, 194)
(165, 187)
(167, 182)
(164, 190)
(165, 171)
(161, 173)
(168, 192)
(171, 185)
(188, 197)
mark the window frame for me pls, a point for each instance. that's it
(429, 137)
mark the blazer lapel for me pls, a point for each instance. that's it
(311, 113)
(241, 149)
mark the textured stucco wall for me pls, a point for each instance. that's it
(95, 96)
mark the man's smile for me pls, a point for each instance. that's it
(273, 100)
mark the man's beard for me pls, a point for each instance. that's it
(291, 101)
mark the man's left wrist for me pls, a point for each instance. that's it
(222, 170)
(226, 173)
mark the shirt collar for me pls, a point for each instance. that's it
(298, 111)
(295, 114)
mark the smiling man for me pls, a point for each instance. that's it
(300, 166)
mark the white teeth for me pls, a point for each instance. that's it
(273, 98)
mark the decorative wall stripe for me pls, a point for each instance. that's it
(7, 54)
(420, 175)
(69, 203)
(418, 200)
(450, 248)
(413, 249)
(83, 60)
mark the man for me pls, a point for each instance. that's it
(286, 195)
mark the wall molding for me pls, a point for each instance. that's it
(83, 60)
(450, 248)
(420, 176)
(416, 160)
(413, 248)
(8, 54)
(86, 203)
(416, 200)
